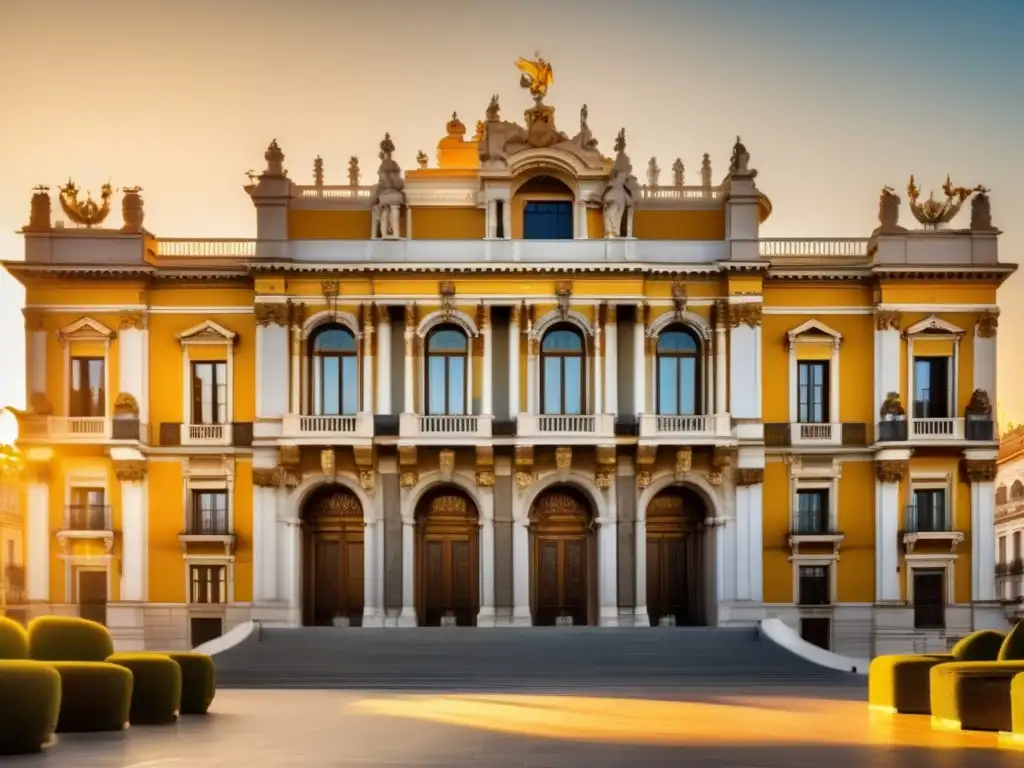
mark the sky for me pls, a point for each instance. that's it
(833, 99)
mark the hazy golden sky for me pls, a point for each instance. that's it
(833, 101)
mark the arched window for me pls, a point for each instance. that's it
(1017, 491)
(334, 371)
(678, 372)
(445, 383)
(1001, 494)
(562, 379)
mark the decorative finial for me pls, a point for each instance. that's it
(275, 160)
(493, 109)
(132, 210)
(705, 171)
(39, 212)
(677, 173)
(353, 171)
(421, 159)
(653, 172)
(933, 213)
(740, 161)
(620, 141)
(318, 171)
(87, 213)
(387, 147)
(537, 76)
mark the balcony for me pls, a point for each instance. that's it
(566, 429)
(336, 429)
(1010, 567)
(937, 429)
(206, 434)
(927, 525)
(87, 521)
(815, 531)
(665, 429)
(203, 529)
(441, 429)
(811, 434)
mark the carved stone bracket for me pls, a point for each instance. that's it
(643, 479)
(525, 479)
(129, 320)
(684, 462)
(746, 313)
(271, 314)
(563, 293)
(603, 478)
(524, 456)
(485, 466)
(980, 470)
(749, 476)
(446, 463)
(720, 459)
(132, 471)
(446, 289)
(679, 298)
(606, 455)
(563, 457)
(408, 465)
(888, 319)
(987, 326)
(890, 471)
(266, 478)
(646, 454)
(291, 456)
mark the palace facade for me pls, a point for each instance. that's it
(1010, 523)
(515, 386)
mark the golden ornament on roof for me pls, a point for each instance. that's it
(537, 76)
(931, 213)
(88, 212)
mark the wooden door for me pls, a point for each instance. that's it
(667, 578)
(448, 569)
(929, 598)
(92, 595)
(561, 583)
(675, 558)
(333, 559)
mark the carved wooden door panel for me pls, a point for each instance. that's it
(548, 599)
(655, 598)
(461, 585)
(574, 579)
(436, 602)
(326, 581)
(352, 578)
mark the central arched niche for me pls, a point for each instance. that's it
(543, 206)
(447, 558)
(332, 558)
(676, 572)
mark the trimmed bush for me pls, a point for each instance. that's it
(94, 696)
(983, 645)
(29, 701)
(973, 695)
(156, 696)
(13, 639)
(68, 638)
(198, 681)
(1013, 646)
(900, 684)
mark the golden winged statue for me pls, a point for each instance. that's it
(537, 76)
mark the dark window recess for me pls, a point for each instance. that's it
(812, 512)
(209, 513)
(817, 631)
(88, 398)
(499, 230)
(931, 388)
(204, 629)
(241, 434)
(929, 598)
(928, 512)
(812, 391)
(815, 585)
(209, 392)
(208, 584)
(547, 221)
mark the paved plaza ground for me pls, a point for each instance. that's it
(765, 727)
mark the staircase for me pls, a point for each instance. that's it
(570, 658)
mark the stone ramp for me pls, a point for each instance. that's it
(564, 658)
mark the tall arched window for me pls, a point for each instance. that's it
(445, 383)
(1017, 491)
(562, 379)
(678, 372)
(334, 371)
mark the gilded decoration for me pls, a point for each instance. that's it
(367, 478)
(890, 471)
(932, 213)
(679, 298)
(563, 457)
(563, 294)
(446, 463)
(892, 406)
(485, 478)
(449, 504)
(327, 461)
(126, 405)
(980, 470)
(537, 77)
(446, 290)
(525, 479)
(887, 319)
(605, 454)
(130, 471)
(33, 319)
(684, 461)
(524, 455)
(643, 479)
(271, 314)
(129, 320)
(603, 479)
(410, 316)
(749, 476)
(988, 324)
(646, 454)
(86, 213)
(746, 313)
(290, 456)
(266, 478)
(715, 477)
(979, 404)
(409, 478)
(342, 502)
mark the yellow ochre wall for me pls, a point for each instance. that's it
(448, 223)
(329, 225)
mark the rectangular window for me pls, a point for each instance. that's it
(88, 510)
(812, 512)
(1017, 553)
(928, 513)
(929, 598)
(931, 388)
(208, 583)
(209, 393)
(812, 391)
(547, 221)
(209, 515)
(815, 585)
(88, 397)
(1002, 551)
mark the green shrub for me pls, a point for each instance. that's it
(67, 638)
(1013, 645)
(983, 645)
(973, 695)
(94, 696)
(901, 683)
(13, 639)
(29, 701)
(198, 681)
(156, 696)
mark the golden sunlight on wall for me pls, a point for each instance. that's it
(166, 521)
(778, 571)
(856, 519)
(329, 225)
(448, 223)
(243, 501)
(679, 225)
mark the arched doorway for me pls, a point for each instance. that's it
(675, 557)
(332, 558)
(563, 556)
(447, 559)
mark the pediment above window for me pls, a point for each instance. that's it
(207, 332)
(813, 331)
(934, 325)
(86, 329)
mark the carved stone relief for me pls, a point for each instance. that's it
(980, 470)
(890, 471)
(747, 313)
(888, 319)
(130, 471)
(271, 314)
(749, 476)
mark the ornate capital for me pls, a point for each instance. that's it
(126, 405)
(271, 314)
(291, 456)
(410, 315)
(129, 320)
(987, 325)
(603, 479)
(746, 313)
(130, 471)
(410, 478)
(563, 457)
(890, 471)
(749, 476)
(38, 472)
(367, 479)
(33, 319)
(485, 478)
(611, 314)
(266, 478)
(887, 319)
(517, 314)
(525, 479)
(980, 470)
(643, 479)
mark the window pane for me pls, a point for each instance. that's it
(668, 386)
(335, 340)
(447, 340)
(688, 385)
(562, 340)
(438, 382)
(221, 373)
(676, 341)
(573, 372)
(349, 385)
(552, 385)
(456, 385)
(96, 395)
(330, 385)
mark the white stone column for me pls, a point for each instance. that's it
(608, 571)
(581, 220)
(641, 619)
(372, 614)
(521, 615)
(485, 618)
(272, 371)
(981, 472)
(745, 360)
(407, 618)
(296, 385)
(514, 333)
(262, 498)
(492, 219)
(134, 531)
(890, 469)
(37, 581)
(611, 362)
(487, 400)
(410, 379)
(273, 587)
(598, 377)
(367, 404)
(383, 361)
(887, 359)
(532, 377)
(35, 353)
(506, 215)
(293, 567)
(640, 362)
(721, 368)
(749, 526)
(133, 365)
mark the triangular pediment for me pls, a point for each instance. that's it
(934, 324)
(85, 329)
(207, 332)
(813, 330)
